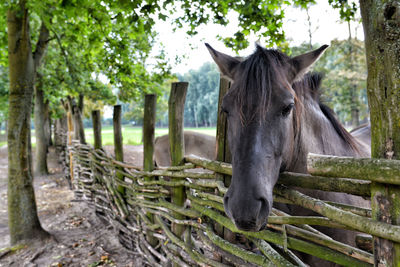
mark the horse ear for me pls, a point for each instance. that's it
(301, 64)
(226, 64)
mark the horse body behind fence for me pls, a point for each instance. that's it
(198, 144)
(275, 119)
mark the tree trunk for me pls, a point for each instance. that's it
(354, 103)
(47, 123)
(61, 132)
(355, 117)
(40, 132)
(23, 220)
(381, 21)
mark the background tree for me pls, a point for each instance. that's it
(23, 62)
(25, 57)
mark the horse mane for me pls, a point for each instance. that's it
(311, 83)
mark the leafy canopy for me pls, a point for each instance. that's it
(93, 42)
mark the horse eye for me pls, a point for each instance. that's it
(287, 109)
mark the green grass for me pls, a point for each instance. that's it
(3, 143)
(133, 135)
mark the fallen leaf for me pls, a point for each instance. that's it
(104, 258)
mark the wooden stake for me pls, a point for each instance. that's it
(176, 106)
(96, 118)
(149, 120)
(118, 145)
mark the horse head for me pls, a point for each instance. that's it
(261, 110)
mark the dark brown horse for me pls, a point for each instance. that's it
(275, 119)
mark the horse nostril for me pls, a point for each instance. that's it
(226, 201)
(226, 207)
(264, 209)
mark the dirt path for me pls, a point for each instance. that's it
(79, 237)
(5, 239)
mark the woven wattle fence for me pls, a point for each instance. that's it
(96, 181)
(143, 208)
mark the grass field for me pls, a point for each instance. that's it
(133, 135)
(130, 135)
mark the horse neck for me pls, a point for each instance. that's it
(316, 134)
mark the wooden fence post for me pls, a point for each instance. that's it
(149, 120)
(176, 105)
(223, 152)
(118, 145)
(70, 132)
(96, 129)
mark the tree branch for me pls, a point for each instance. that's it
(71, 69)
(41, 45)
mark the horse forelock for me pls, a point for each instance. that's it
(253, 86)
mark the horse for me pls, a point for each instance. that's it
(362, 133)
(198, 144)
(275, 118)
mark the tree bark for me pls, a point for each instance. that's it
(47, 124)
(22, 212)
(40, 132)
(60, 131)
(381, 22)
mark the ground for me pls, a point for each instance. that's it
(79, 238)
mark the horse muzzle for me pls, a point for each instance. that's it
(248, 214)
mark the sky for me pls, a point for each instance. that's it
(325, 26)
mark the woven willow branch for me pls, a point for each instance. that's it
(384, 230)
(378, 170)
(350, 186)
